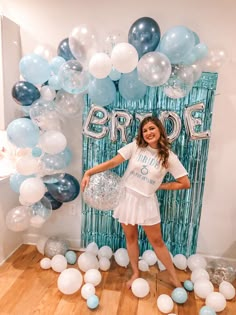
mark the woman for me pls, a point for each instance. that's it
(149, 160)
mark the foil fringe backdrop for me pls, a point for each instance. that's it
(180, 210)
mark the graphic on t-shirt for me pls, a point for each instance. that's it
(144, 170)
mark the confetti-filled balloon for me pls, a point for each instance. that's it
(54, 246)
(220, 270)
(103, 191)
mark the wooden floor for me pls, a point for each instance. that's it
(26, 289)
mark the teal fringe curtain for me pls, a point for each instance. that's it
(180, 210)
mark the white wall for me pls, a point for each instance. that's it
(48, 22)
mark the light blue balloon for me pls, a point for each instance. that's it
(102, 91)
(130, 87)
(206, 310)
(179, 295)
(34, 69)
(188, 285)
(54, 82)
(66, 155)
(23, 133)
(71, 257)
(36, 152)
(93, 302)
(16, 180)
(56, 63)
(114, 75)
(176, 43)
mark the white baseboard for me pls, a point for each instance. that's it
(4, 260)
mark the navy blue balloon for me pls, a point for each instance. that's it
(55, 204)
(64, 51)
(144, 34)
(65, 189)
(25, 93)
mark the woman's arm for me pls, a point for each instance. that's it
(180, 183)
(115, 161)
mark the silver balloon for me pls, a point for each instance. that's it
(97, 116)
(191, 122)
(220, 270)
(176, 124)
(104, 191)
(120, 120)
(54, 246)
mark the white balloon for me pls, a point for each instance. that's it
(32, 190)
(124, 57)
(41, 244)
(165, 303)
(143, 265)
(93, 276)
(150, 257)
(196, 261)
(140, 287)
(121, 257)
(105, 251)
(100, 65)
(92, 248)
(45, 263)
(203, 287)
(199, 273)
(47, 93)
(180, 261)
(59, 263)
(87, 261)
(52, 141)
(227, 289)
(69, 281)
(27, 165)
(87, 290)
(104, 264)
(217, 301)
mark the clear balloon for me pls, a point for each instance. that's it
(214, 60)
(69, 105)
(34, 69)
(52, 164)
(103, 191)
(124, 57)
(47, 93)
(176, 43)
(154, 69)
(102, 91)
(73, 77)
(23, 133)
(131, 87)
(18, 219)
(144, 35)
(100, 65)
(25, 93)
(69, 281)
(83, 43)
(111, 39)
(40, 212)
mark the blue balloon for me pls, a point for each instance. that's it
(25, 93)
(188, 285)
(36, 152)
(206, 310)
(23, 133)
(130, 87)
(55, 204)
(144, 35)
(64, 51)
(114, 75)
(65, 189)
(56, 63)
(16, 180)
(93, 302)
(176, 43)
(54, 82)
(34, 69)
(66, 155)
(102, 91)
(71, 257)
(179, 295)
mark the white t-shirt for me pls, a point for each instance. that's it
(145, 173)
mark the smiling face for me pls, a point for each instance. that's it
(151, 134)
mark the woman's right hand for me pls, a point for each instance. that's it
(85, 181)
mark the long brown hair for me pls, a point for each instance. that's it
(163, 144)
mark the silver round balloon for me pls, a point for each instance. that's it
(54, 246)
(103, 191)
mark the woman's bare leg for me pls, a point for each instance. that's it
(154, 236)
(131, 235)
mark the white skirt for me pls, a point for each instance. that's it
(135, 208)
